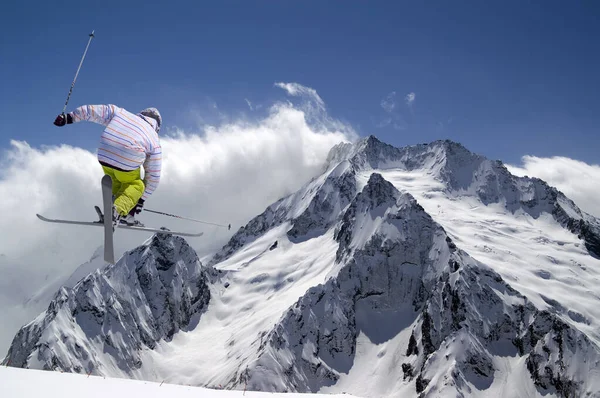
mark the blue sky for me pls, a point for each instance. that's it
(505, 79)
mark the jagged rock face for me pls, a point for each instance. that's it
(465, 173)
(374, 154)
(311, 211)
(379, 198)
(586, 228)
(462, 314)
(109, 316)
(493, 183)
(327, 203)
(338, 154)
(309, 347)
(386, 269)
(271, 217)
(473, 315)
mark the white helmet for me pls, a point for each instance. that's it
(154, 114)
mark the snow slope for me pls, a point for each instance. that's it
(418, 271)
(26, 383)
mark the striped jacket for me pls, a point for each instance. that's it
(128, 142)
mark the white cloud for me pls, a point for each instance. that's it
(314, 109)
(298, 90)
(395, 115)
(249, 104)
(226, 174)
(389, 102)
(578, 180)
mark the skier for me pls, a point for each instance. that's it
(129, 142)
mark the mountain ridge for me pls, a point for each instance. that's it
(336, 311)
(145, 297)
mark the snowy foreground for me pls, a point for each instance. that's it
(17, 383)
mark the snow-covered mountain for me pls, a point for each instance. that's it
(102, 323)
(419, 271)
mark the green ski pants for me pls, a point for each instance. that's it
(127, 188)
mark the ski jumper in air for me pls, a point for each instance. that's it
(128, 143)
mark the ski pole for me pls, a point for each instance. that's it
(189, 219)
(77, 73)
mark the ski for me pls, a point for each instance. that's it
(127, 227)
(105, 220)
(109, 252)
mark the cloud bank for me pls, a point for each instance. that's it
(226, 173)
(578, 180)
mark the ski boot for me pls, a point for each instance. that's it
(130, 220)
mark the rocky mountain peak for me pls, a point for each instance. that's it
(102, 323)
(378, 190)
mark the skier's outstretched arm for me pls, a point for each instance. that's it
(152, 168)
(101, 114)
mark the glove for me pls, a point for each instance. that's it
(63, 119)
(138, 208)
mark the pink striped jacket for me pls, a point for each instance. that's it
(128, 142)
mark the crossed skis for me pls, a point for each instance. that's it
(106, 222)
